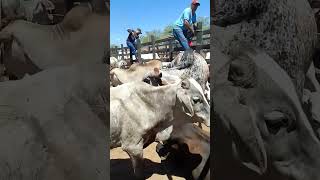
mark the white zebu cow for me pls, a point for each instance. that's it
(138, 112)
(115, 63)
(188, 64)
(53, 125)
(80, 37)
(149, 56)
(31, 10)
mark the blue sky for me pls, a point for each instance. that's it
(147, 14)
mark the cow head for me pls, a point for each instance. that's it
(41, 12)
(192, 102)
(153, 78)
(268, 129)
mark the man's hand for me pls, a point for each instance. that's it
(195, 27)
(188, 26)
(193, 32)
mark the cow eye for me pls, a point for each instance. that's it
(276, 120)
(196, 99)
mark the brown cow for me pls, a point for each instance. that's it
(136, 72)
(190, 145)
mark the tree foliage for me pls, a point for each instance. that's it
(113, 45)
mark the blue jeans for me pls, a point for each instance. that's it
(133, 50)
(182, 37)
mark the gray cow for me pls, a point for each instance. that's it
(30, 10)
(80, 37)
(187, 64)
(285, 30)
(261, 129)
(53, 125)
(138, 111)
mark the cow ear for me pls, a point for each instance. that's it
(247, 142)
(185, 84)
(185, 103)
(242, 72)
(39, 8)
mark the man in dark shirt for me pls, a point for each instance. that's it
(132, 44)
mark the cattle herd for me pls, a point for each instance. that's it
(53, 101)
(158, 102)
(266, 94)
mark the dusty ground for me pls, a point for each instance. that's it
(121, 168)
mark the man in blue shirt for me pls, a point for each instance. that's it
(132, 44)
(183, 29)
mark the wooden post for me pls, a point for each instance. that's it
(154, 54)
(170, 48)
(139, 49)
(116, 52)
(199, 37)
(127, 53)
(122, 51)
(153, 40)
(1, 14)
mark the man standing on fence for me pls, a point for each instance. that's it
(184, 27)
(132, 44)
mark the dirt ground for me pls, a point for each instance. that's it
(121, 168)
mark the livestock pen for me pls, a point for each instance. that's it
(166, 48)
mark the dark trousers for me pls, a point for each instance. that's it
(133, 50)
(182, 36)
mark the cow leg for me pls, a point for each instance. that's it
(136, 155)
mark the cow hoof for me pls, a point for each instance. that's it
(162, 151)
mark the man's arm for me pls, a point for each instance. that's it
(129, 31)
(186, 17)
(188, 26)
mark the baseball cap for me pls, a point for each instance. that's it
(138, 29)
(196, 2)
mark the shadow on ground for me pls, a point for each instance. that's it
(177, 164)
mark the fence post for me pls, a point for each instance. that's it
(170, 48)
(122, 51)
(139, 49)
(128, 53)
(199, 37)
(116, 52)
(153, 40)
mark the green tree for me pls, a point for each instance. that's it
(113, 45)
(205, 22)
(167, 31)
(147, 37)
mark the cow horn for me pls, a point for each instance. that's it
(242, 71)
